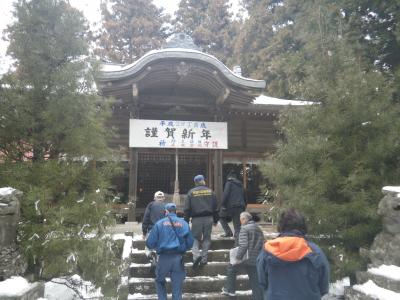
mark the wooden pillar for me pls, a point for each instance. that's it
(218, 180)
(210, 172)
(218, 161)
(133, 166)
(244, 167)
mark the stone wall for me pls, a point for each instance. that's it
(385, 249)
(11, 261)
(383, 252)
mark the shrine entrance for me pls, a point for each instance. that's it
(180, 100)
(156, 171)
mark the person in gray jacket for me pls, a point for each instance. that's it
(251, 240)
(201, 206)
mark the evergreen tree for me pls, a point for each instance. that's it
(336, 155)
(210, 25)
(52, 133)
(130, 29)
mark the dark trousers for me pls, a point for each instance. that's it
(201, 230)
(170, 265)
(235, 213)
(224, 223)
(257, 292)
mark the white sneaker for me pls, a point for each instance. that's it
(226, 293)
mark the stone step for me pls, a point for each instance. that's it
(215, 244)
(351, 294)
(189, 296)
(198, 284)
(380, 280)
(139, 257)
(211, 269)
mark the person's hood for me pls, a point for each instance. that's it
(288, 248)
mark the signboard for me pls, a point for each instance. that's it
(177, 134)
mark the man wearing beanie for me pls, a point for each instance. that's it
(171, 238)
(201, 207)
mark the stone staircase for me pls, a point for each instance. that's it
(205, 283)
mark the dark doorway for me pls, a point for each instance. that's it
(156, 171)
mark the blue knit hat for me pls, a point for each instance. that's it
(198, 178)
(170, 206)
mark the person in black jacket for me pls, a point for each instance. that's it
(201, 206)
(154, 212)
(234, 203)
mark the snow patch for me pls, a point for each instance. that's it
(118, 236)
(13, 286)
(127, 247)
(263, 99)
(392, 189)
(337, 288)
(371, 289)
(137, 237)
(391, 272)
(6, 191)
(58, 289)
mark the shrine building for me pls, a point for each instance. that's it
(179, 112)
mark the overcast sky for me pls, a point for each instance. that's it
(91, 9)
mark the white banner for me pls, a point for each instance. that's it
(177, 134)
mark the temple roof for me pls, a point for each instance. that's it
(113, 72)
(179, 70)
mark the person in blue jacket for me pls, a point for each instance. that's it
(171, 238)
(291, 267)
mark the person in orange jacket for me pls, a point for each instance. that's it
(290, 266)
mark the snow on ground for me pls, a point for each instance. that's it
(57, 289)
(393, 189)
(6, 191)
(391, 272)
(371, 289)
(127, 247)
(127, 244)
(337, 288)
(13, 286)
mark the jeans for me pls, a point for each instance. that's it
(257, 292)
(170, 265)
(201, 230)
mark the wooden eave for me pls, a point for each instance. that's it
(177, 72)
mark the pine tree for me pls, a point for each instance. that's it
(335, 156)
(52, 133)
(210, 25)
(130, 29)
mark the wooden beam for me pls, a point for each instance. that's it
(218, 180)
(132, 198)
(223, 96)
